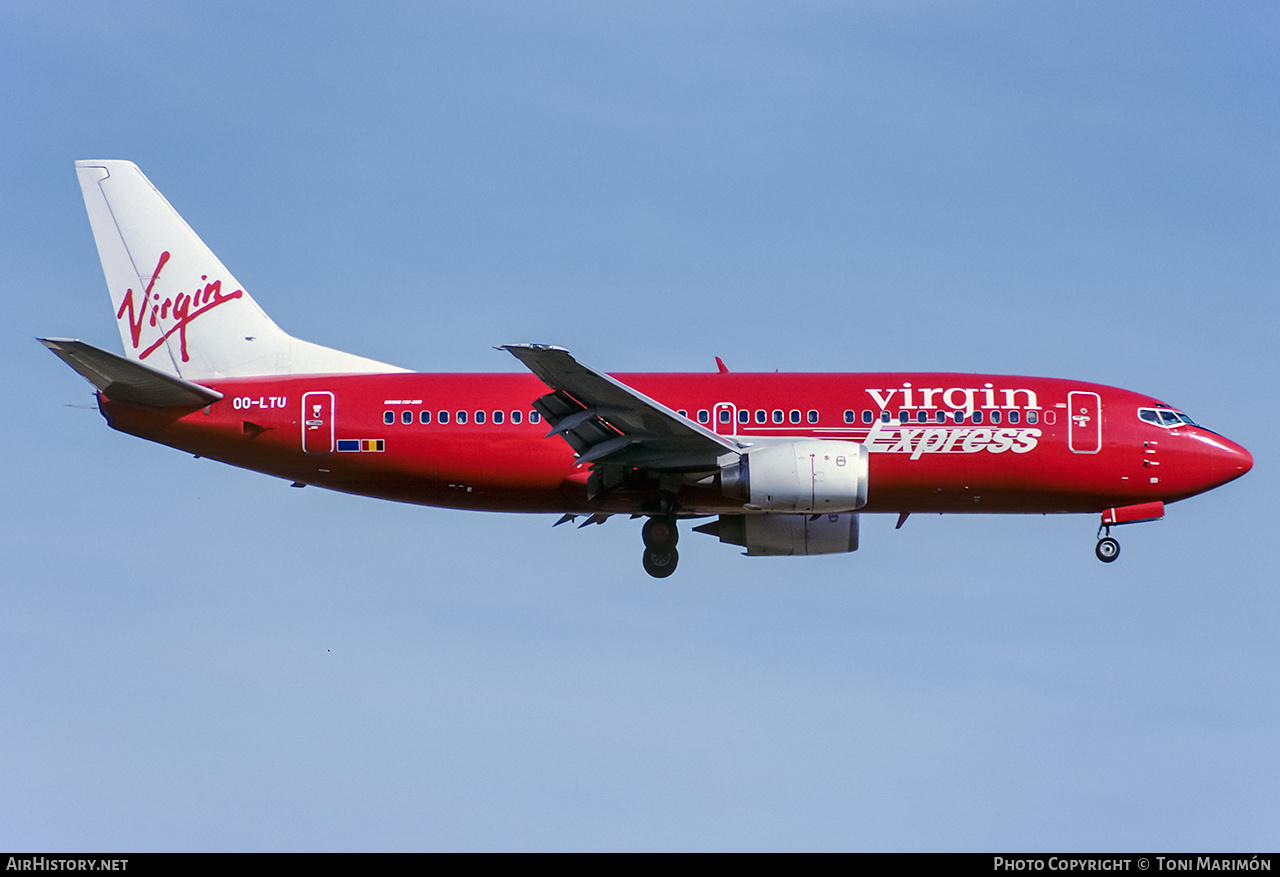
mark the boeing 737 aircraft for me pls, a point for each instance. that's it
(785, 463)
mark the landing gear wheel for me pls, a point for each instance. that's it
(660, 533)
(1108, 550)
(660, 563)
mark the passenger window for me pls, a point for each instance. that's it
(884, 416)
(744, 416)
(794, 416)
(995, 416)
(497, 417)
(462, 417)
(1032, 417)
(904, 416)
(977, 417)
(406, 417)
(443, 417)
(535, 417)
(725, 416)
(516, 416)
(1013, 417)
(777, 415)
(683, 412)
(813, 416)
(424, 416)
(922, 417)
(940, 417)
(958, 417)
(388, 417)
(868, 416)
(762, 416)
(849, 416)
(703, 415)
(479, 417)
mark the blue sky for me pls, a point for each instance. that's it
(196, 657)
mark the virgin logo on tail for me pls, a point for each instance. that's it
(178, 308)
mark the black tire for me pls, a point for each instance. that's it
(660, 533)
(1108, 550)
(660, 564)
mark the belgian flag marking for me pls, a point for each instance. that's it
(374, 445)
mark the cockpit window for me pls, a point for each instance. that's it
(1165, 417)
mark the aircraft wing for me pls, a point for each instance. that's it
(607, 422)
(123, 380)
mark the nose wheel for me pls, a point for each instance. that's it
(660, 537)
(1107, 550)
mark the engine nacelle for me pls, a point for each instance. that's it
(787, 535)
(807, 475)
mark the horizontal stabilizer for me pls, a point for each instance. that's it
(122, 380)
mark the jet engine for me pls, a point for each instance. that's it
(808, 475)
(787, 535)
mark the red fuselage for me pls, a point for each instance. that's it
(939, 442)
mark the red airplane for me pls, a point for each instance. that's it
(786, 461)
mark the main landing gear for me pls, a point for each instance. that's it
(660, 537)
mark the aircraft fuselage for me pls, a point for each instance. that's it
(954, 443)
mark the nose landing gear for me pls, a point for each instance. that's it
(660, 537)
(1107, 550)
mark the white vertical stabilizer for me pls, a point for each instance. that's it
(178, 308)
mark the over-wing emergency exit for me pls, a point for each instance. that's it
(781, 464)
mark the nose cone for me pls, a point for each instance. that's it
(1236, 460)
(1219, 460)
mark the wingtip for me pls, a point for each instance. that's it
(527, 353)
(528, 346)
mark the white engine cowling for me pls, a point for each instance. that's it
(787, 535)
(808, 475)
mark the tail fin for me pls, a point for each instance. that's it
(178, 308)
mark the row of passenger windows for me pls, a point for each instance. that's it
(944, 416)
(793, 416)
(424, 416)
(744, 416)
(725, 416)
(762, 416)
